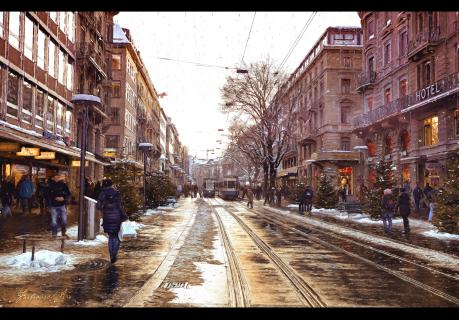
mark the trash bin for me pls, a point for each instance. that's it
(93, 219)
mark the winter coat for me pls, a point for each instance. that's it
(26, 189)
(388, 204)
(308, 194)
(7, 193)
(250, 195)
(417, 193)
(404, 204)
(110, 203)
(56, 190)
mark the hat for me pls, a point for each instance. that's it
(387, 191)
(107, 183)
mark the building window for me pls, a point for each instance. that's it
(51, 58)
(387, 53)
(371, 148)
(345, 110)
(116, 62)
(62, 24)
(71, 26)
(403, 43)
(402, 88)
(388, 145)
(370, 103)
(61, 67)
(27, 98)
(41, 49)
(371, 29)
(69, 76)
(321, 88)
(60, 119)
(12, 95)
(345, 85)
(115, 116)
(112, 141)
(387, 96)
(68, 121)
(431, 131)
(456, 120)
(39, 108)
(50, 114)
(53, 16)
(2, 28)
(29, 38)
(426, 73)
(404, 140)
(14, 27)
(347, 62)
(116, 89)
(345, 143)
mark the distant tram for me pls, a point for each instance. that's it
(228, 188)
(209, 188)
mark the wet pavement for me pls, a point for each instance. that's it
(213, 253)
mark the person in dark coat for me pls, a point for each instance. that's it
(110, 203)
(58, 197)
(308, 196)
(25, 191)
(97, 190)
(300, 197)
(417, 195)
(279, 196)
(7, 193)
(404, 208)
(388, 206)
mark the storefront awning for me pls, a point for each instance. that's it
(287, 172)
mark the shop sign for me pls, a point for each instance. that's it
(109, 153)
(77, 163)
(9, 146)
(28, 152)
(46, 155)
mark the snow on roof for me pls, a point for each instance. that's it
(118, 34)
(12, 126)
(85, 97)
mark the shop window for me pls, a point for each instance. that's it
(28, 38)
(41, 49)
(50, 114)
(12, 95)
(116, 62)
(39, 108)
(404, 140)
(431, 131)
(2, 28)
(14, 28)
(27, 94)
(345, 86)
(116, 89)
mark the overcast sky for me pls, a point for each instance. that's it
(216, 38)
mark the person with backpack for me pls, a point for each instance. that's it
(25, 191)
(308, 196)
(58, 197)
(113, 214)
(7, 194)
(388, 205)
(404, 208)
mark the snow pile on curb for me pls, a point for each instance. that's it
(171, 207)
(152, 212)
(292, 206)
(45, 261)
(100, 239)
(434, 233)
(360, 218)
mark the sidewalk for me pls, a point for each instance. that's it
(422, 234)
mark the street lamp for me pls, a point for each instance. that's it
(145, 147)
(85, 101)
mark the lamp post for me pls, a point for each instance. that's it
(85, 100)
(145, 147)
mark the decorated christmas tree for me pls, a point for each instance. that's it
(326, 196)
(446, 212)
(126, 179)
(385, 179)
(159, 187)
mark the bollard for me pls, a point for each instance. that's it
(91, 224)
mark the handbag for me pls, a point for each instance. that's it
(127, 230)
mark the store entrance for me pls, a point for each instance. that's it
(345, 179)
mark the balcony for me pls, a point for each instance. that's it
(366, 79)
(87, 50)
(423, 43)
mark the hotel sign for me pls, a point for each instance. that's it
(440, 86)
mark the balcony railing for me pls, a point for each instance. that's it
(88, 50)
(366, 79)
(423, 39)
(380, 113)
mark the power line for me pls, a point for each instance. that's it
(298, 39)
(198, 64)
(248, 37)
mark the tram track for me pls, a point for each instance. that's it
(278, 219)
(307, 294)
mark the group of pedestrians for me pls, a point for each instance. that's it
(273, 196)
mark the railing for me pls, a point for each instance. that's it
(380, 113)
(88, 49)
(366, 78)
(421, 39)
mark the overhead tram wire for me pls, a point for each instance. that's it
(198, 64)
(248, 37)
(298, 38)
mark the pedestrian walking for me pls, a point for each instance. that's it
(58, 198)
(7, 194)
(308, 196)
(267, 196)
(431, 206)
(249, 198)
(113, 214)
(388, 205)
(258, 192)
(404, 208)
(279, 196)
(417, 195)
(301, 198)
(25, 193)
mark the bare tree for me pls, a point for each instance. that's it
(257, 99)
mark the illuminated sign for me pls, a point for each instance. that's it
(110, 152)
(77, 163)
(28, 152)
(9, 146)
(46, 155)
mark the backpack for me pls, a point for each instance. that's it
(308, 194)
